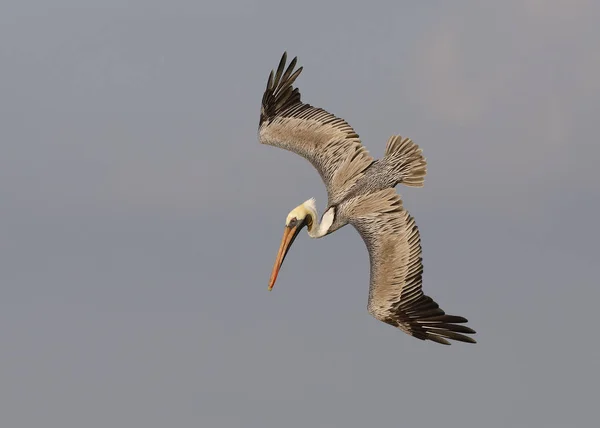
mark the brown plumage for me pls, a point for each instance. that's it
(395, 294)
(326, 141)
(360, 192)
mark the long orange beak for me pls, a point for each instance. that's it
(289, 234)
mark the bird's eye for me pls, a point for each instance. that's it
(293, 222)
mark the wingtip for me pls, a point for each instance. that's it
(280, 93)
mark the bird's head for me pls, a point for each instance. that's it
(303, 215)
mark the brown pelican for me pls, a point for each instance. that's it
(361, 193)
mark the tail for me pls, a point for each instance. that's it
(406, 161)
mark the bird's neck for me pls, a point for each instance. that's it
(318, 229)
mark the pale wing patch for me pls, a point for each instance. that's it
(338, 159)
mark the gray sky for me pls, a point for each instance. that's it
(141, 218)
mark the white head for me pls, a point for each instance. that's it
(303, 215)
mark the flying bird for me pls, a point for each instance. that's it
(361, 192)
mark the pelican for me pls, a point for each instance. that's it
(361, 192)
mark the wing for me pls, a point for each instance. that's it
(395, 294)
(326, 141)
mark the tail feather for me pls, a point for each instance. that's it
(409, 164)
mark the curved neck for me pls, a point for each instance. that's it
(318, 230)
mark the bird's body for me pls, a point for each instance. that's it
(360, 192)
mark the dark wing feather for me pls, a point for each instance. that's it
(279, 94)
(395, 295)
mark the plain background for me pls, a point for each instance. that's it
(140, 217)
